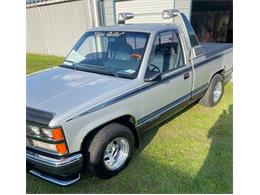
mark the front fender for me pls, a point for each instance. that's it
(76, 129)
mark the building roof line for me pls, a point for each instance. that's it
(37, 3)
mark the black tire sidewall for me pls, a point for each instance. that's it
(99, 144)
(217, 78)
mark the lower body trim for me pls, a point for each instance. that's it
(62, 171)
(54, 180)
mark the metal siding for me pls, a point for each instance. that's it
(184, 6)
(55, 28)
(148, 11)
(35, 39)
(109, 12)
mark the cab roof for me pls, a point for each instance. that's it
(148, 28)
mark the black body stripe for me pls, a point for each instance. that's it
(133, 92)
(200, 88)
(210, 59)
(156, 113)
(206, 61)
(148, 86)
(170, 106)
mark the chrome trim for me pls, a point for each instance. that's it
(116, 153)
(52, 161)
(54, 180)
(217, 92)
(44, 151)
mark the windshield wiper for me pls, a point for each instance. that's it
(72, 64)
(91, 68)
(112, 73)
(100, 69)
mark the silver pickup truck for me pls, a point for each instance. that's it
(117, 81)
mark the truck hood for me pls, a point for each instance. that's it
(66, 92)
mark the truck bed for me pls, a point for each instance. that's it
(212, 49)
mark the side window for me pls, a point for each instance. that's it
(167, 53)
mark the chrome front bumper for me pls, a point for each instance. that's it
(62, 171)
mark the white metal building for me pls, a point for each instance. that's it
(53, 26)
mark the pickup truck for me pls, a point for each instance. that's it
(117, 81)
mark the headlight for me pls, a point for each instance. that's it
(47, 132)
(35, 130)
(39, 144)
(45, 138)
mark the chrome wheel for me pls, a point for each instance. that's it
(217, 91)
(116, 153)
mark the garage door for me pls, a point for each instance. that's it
(147, 11)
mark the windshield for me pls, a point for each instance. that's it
(105, 52)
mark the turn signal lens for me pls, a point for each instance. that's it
(57, 134)
(61, 148)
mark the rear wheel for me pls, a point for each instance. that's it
(214, 92)
(110, 150)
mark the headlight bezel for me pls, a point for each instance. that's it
(59, 141)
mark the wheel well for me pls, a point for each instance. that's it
(221, 72)
(126, 120)
(130, 122)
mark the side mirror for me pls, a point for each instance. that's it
(152, 76)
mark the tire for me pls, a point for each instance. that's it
(216, 86)
(104, 142)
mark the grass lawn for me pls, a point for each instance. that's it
(37, 62)
(189, 153)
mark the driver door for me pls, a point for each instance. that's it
(173, 91)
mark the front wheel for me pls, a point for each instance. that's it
(214, 92)
(110, 150)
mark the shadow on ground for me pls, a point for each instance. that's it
(216, 174)
(217, 169)
(148, 136)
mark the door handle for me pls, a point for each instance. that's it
(186, 76)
